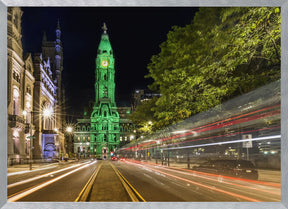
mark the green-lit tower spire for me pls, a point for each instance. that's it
(105, 132)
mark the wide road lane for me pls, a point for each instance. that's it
(60, 187)
(158, 183)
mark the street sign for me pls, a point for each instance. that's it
(247, 144)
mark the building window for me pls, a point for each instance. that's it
(16, 76)
(78, 138)
(28, 90)
(15, 101)
(88, 138)
(84, 138)
(16, 142)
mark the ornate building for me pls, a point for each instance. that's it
(82, 138)
(108, 125)
(35, 97)
(104, 132)
(20, 88)
(49, 96)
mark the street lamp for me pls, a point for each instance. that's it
(30, 137)
(46, 113)
(69, 129)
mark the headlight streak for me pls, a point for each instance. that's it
(221, 180)
(225, 142)
(205, 186)
(213, 137)
(194, 173)
(34, 189)
(30, 171)
(220, 124)
(39, 177)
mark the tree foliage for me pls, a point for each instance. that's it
(224, 52)
(143, 115)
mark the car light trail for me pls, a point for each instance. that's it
(208, 187)
(203, 176)
(226, 142)
(39, 177)
(29, 171)
(34, 189)
(210, 174)
(238, 119)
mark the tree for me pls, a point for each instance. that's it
(230, 51)
(143, 116)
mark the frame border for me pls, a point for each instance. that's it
(138, 3)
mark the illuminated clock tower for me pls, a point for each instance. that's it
(105, 132)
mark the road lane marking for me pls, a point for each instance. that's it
(21, 194)
(83, 195)
(123, 179)
(209, 187)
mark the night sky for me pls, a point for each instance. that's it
(135, 35)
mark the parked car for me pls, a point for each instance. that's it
(236, 168)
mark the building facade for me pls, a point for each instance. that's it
(108, 126)
(140, 95)
(49, 96)
(104, 131)
(82, 131)
(34, 99)
(20, 88)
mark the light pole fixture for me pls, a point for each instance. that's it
(69, 129)
(30, 137)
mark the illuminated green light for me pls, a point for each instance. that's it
(105, 131)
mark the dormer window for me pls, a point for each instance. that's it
(16, 76)
(28, 90)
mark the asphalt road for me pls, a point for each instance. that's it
(151, 182)
(62, 186)
(158, 183)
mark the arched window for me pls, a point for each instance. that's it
(16, 105)
(105, 92)
(16, 142)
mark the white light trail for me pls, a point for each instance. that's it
(29, 171)
(226, 142)
(39, 177)
(25, 193)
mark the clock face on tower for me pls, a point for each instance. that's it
(104, 63)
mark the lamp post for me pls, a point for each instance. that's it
(46, 113)
(30, 137)
(69, 130)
